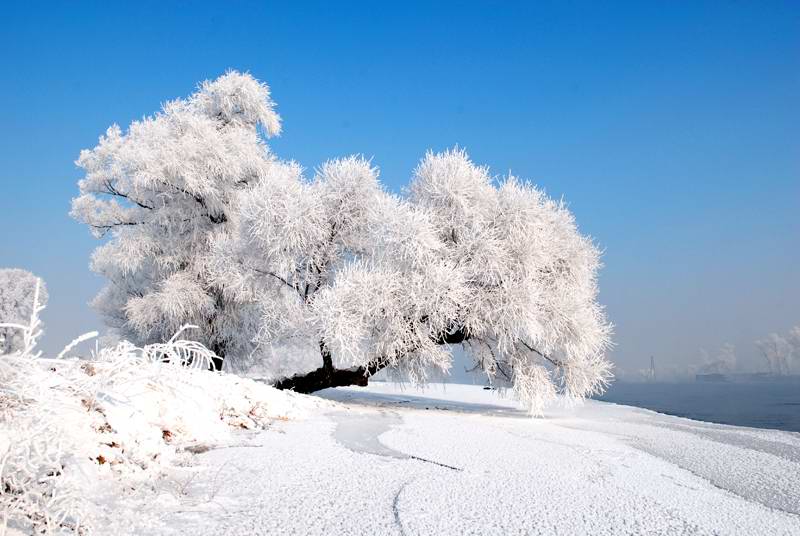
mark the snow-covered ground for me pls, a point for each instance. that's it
(457, 459)
(123, 445)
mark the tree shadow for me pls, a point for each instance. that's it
(365, 398)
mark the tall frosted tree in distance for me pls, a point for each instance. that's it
(777, 351)
(17, 290)
(794, 342)
(160, 192)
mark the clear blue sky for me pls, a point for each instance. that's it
(671, 128)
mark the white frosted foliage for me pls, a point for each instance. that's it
(22, 296)
(285, 273)
(161, 192)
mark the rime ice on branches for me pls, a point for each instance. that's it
(207, 227)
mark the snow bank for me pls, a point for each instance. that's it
(85, 443)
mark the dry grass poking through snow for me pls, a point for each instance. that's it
(82, 442)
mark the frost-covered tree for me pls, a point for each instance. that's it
(208, 228)
(777, 352)
(375, 281)
(794, 341)
(17, 289)
(723, 363)
(781, 353)
(340, 267)
(161, 192)
(528, 309)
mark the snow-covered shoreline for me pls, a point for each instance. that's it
(460, 460)
(243, 458)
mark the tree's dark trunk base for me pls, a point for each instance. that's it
(216, 364)
(327, 376)
(323, 378)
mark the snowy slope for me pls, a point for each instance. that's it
(107, 446)
(461, 460)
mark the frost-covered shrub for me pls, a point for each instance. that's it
(17, 289)
(83, 443)
(40, 489)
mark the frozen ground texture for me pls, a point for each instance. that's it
(461, 460)
(451, 459)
